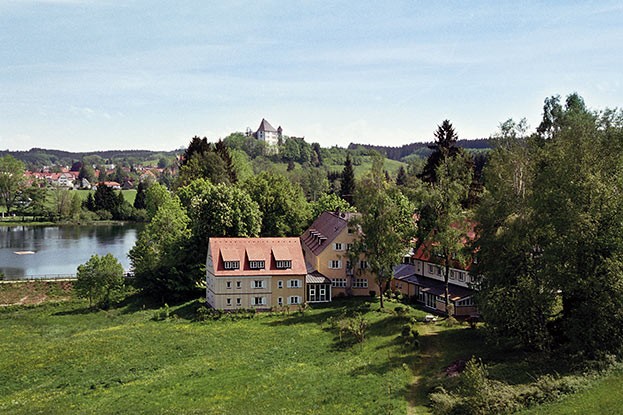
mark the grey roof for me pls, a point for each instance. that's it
(316, 278)
(437, 287)
(325, 229)
(265, 126)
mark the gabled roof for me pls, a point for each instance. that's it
(265, 126)
(324, 230)
(244, 250)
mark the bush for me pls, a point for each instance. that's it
(372, 293)
(410, 336)
(104, 215)
(477, 394)
(162, 314)
(204, 313)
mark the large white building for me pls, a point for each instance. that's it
(268, 133)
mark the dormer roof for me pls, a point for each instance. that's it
(244, 250)
(324, 230)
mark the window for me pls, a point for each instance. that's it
(279, 284)
(363, 264)
(228, 284)
(294, 283)
(259, 300)
(466, 302)
(360, 283)
(229, 301)
(472, 279)
(238, 302)
(258, 284)
(452, 275)
(231, 264)
(338, 282)
(438, 270)
(280, 301)
(337, 246)
(238, 284)
(295, 299)
(256, 264)
(284, 264)
(349, 247)
(431, 268)
(461, 276)
(335, 264)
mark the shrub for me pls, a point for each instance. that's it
(372, 293)
(410, 336)
(162, 314)
(204, 313)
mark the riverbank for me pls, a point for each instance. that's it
(35, 292)
(12, 223)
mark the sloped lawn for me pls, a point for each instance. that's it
(63, 358)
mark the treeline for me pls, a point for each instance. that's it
(37, 158)
(421, 149)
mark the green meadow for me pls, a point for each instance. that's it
(60, 357)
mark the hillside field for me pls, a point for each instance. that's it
(61, 357)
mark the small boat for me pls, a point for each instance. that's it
(24, 252)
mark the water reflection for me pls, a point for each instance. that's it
(60, 249)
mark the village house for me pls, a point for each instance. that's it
(327, 245)
(260, 273)
(421, 278)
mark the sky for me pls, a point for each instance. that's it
(81, 75)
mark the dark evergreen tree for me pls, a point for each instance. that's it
(105, 199)
(89, 203)
(443, 147)
(197, 146)
(347, 189)
(316, 156)
(401, 177)
(223, 152)
(139, 201)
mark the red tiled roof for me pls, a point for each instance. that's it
(425, 249)
(257, 249)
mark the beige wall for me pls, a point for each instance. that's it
(321, 264)
(217, 291)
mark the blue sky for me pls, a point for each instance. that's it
(104, 74)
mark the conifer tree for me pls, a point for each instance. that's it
(347, 189)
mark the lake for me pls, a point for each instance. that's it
(46, 250)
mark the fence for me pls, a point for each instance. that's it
(50, 277)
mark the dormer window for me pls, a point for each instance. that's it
(284, 264)
(256, 264)
(231, 264)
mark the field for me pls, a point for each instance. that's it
(61, 357)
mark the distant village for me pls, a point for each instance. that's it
(70, 177)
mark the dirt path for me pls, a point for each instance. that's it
(424, 366)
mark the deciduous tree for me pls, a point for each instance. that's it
(386, 226)
(98, 278)
(12, 181)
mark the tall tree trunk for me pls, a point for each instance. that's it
(445, 280)
(381, 292)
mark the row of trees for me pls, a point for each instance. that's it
(550, 226)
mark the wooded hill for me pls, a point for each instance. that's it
(40, 157)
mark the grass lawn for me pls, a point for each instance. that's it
(604, 397)
(60, 358)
